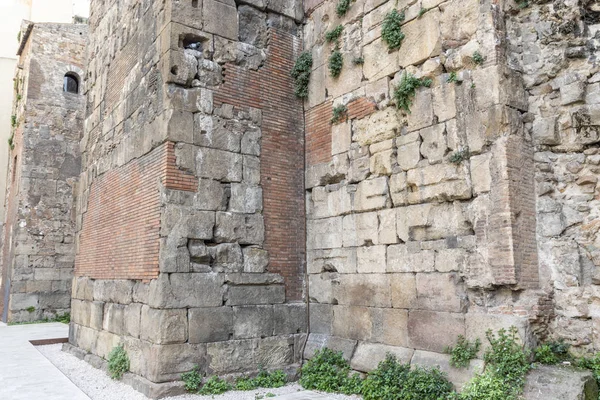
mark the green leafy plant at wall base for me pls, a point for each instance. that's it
(215, 385)
(391, 29)
(192, 380)
(118, 362)
(301, 74)
(463, 352)
(326, 371)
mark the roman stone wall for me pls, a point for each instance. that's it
(38, 249)
(555, 47)
(191, 208)
(421, 224)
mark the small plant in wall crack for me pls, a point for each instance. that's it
(339, 113)
(452, 78)
(358, 60)
(334, 34)
(342, 7)
(459, 156)
(477, 58)
(391, 29)
(118, 362)
(301, 74)
(422, 12)
(405, 91)
(336, 62)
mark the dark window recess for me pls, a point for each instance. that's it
(195, 3)
(70, 84)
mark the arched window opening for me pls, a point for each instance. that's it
(70, 84)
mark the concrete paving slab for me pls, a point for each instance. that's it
(25, 374)
(304, 395)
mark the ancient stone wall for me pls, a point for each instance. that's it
(421, 223)
(555, 47)
(38, 249)
(191, 209)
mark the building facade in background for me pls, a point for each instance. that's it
(44, 163)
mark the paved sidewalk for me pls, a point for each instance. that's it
(25, 374)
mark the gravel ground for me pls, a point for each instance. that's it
(98, 386)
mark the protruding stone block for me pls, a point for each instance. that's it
(210, 324)
(164, 326)
(369, 355)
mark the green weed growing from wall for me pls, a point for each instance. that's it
(391, 29)
(301, 74)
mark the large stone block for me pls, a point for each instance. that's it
(371, 259)
(434, 146)
(387, 231)
(369, 355)
(381, 62)
(360, 229)
(330, 201)
(252, 322)
(255, 294)
(320, 318)
(404, 290)
(404, 258)
(218, 133)
(556, 382)
(240, 228)
(186, 290)
(422, 39)
(221, 165)
(370, 290)
(477, 324)
(255, 259)
(289, 318)
(409, 154)
(220, 18)
(372, 194)
(164, 363)
(321, 287)
(352, 322)
(380, 126)
(434, 331)
(441, 292)
(459, 21)
(399, 189)
(231, 356)
(83, 288)
(164, 326)
(113, 291)
(391, 327)
(317, 341)
(324, 233)
(213, 324)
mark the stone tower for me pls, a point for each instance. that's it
(38, 249)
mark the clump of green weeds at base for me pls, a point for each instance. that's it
(339, 113)
(552, 352)
(391, 29)
(463, 352)
(264, 379)
(118, 362)
(477, 58)
(406, 89)
(192, 380)
(342, 7)
(301, 74)
(327, 371)
(334, 34)
(63, 318)
(215, 385)
(336, 62)
(392, 380)
(459, 156)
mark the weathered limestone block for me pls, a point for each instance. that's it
(252, 322)
(131, 316)
(320, 316)
(446, 182)
(114, 318)
(387, 232)
(451, 260)
(80, 312)
(193, 100)
(381, 163)
(217, 133)
(352, 322)
(186, 290)
(369, 290)
(220, 165)
(240, 228)
(399, 189)
(372, 194)
(164, 326)
(330, 201)
(459, 20)
(245, 198)
(572, 93)
(434, 331)
(279, 351)
(369, 355)
(185, 13)
(117, 291)
(321, 287)
(480, 173)
(105, 342)
(434, 145)
(349, 79)
(210, 324)
(221, 18)
(318, 341)
(164, 363)
(255, 259)
(392, 327)
(179, 67)
(83, 288)
(478, 323)
(210, 196)
(289, 318)
(360, 229)
(231, 356)
(251, 169)
(253, 26)
(441, 292)
(444, 101)
(341, 137)
(421, 112)
(380, 126)
(504, 87)
(382, 63)
(404, 290)
(333, 260)
(409, 153)
(545, 131)
(422, 39)
(458, 376)
(359, 170)
(324, 234)
(255, 294)
(432, 222)
(556, 382)
(404, 258)
(326, 173)
(371, 259)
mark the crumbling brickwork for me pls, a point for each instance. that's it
(38, 249)
(191, 213)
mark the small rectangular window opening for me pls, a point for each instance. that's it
(195, 3)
